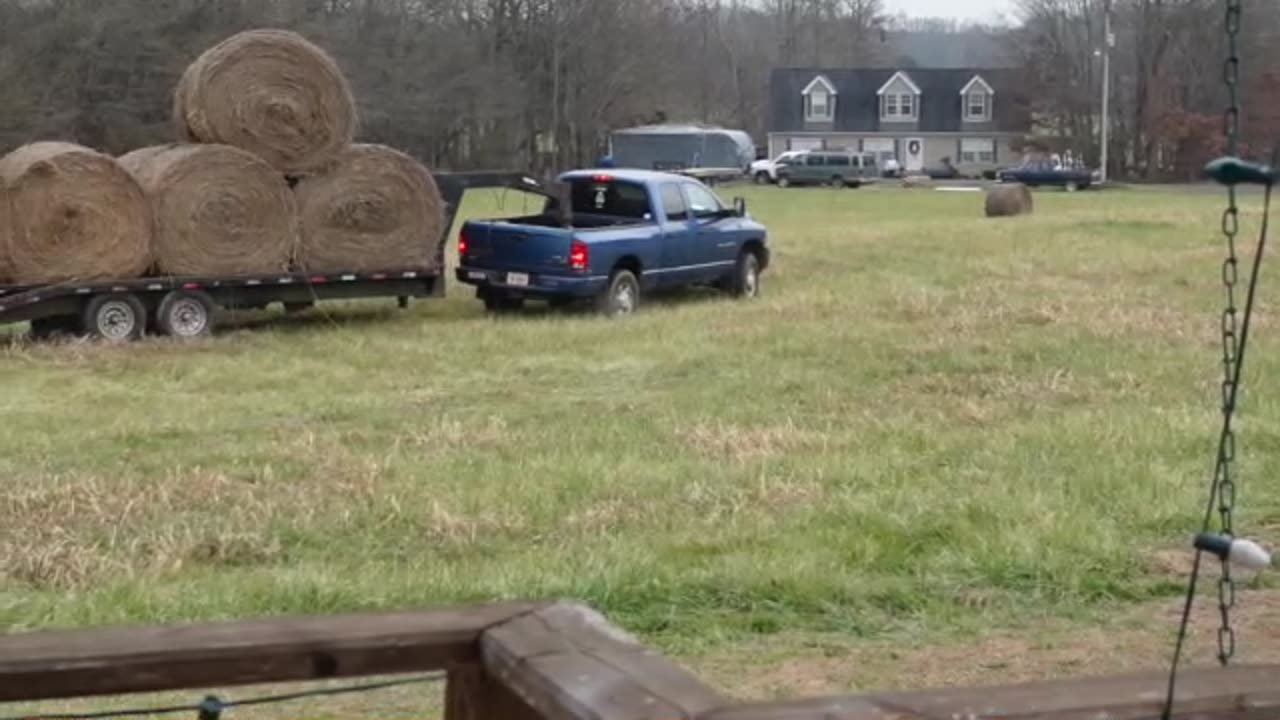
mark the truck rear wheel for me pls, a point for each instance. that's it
(117, 317)
(185, 314)
(622, 296)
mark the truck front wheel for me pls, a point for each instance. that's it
(745, 282)
(622, 296)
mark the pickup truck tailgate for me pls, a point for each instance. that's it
(524, 248)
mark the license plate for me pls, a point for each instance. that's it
(518, 279)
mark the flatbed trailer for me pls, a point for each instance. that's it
(125, 309)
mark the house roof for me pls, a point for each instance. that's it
(819, 80)
(898, 76)
(977, 80)
(859, 109)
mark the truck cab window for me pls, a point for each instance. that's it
(702, 202)
(614, 199)
(673, 203)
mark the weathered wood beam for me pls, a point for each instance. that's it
(567, 662)
(84, 663)
(1237, 693)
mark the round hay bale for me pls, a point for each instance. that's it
(76, 215)
(6, 230)
(1008, 200)
(375, 208)
(270, 92)
(218, 210)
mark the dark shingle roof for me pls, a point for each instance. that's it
(858, 108)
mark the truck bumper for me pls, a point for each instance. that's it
(538, 285)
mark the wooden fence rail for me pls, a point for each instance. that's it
(551, 661)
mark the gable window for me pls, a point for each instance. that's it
(819, 100)
(897, 106)
(899, 99)
(976, 106)
(977, 97)
(817, 106)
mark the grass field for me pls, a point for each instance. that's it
(932, 428)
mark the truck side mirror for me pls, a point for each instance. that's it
(739, 207)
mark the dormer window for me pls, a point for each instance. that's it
(976, 100)
(819, 100)
(899, 99)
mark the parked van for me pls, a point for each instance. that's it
(837, 168)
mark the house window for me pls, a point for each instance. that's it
(899, 106)
(977, 106)
(978, 150)
(818, 106)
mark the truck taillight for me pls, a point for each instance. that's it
(579, 256)
(463, 244)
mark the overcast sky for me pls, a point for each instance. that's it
(959, 9)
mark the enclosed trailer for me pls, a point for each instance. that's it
(700, 150)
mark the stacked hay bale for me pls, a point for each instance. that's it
(218, 210)
(1008, 200)
(269, 92)
(274, 94)
(74, 214)
(254, 114)
(374, 208)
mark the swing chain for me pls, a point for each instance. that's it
(1225, 480)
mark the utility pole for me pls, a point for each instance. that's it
(1108, 42)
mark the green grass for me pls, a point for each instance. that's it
(932, 424)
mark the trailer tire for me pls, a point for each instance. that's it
(115, 317)
(185, 314)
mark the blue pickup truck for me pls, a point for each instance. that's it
(608, 237)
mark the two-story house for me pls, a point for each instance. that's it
(919, 116)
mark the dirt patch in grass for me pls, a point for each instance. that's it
(1138, 639)
(736, 443)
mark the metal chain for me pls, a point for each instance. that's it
(1225, 480)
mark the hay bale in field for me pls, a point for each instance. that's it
(76, 214)
(1008, 200)
(270, 92)
(5, 231)
(218, 210)
(375, 208)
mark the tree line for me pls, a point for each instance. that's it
(539, 84)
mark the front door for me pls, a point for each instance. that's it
(714, 240)
(913, 150)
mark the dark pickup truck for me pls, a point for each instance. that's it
(610, 236)
(1036, 174)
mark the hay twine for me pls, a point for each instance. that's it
(218, 210)
(270, 92)
(376, 208)
(76, 214)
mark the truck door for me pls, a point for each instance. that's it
(715, 242)
(678, 251)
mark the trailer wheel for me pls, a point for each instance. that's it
(117, 317)
(185, 314)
